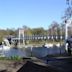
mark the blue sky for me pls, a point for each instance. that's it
(32, 13)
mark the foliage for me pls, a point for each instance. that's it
(3, 58)
(4, 33)
(38, 31)
(15, 58)
(54, 29)
(18, 58)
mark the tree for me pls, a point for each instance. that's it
(38, 31)
(54, 28)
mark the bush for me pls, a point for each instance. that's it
(15, 58)
(18, 58)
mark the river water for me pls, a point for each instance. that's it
(35, 51)
(14, 52)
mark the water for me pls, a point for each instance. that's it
(14, 52)
(36, 51)
(43, 51)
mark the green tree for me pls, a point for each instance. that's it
(38, 31)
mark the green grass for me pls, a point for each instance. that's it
(16, 58)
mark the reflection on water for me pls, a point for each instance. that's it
(36, 51)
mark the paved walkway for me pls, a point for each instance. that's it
(62, 63)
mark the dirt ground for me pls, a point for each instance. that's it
(10, 66)
(64, 65)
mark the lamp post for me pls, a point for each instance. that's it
(67, 17)
(66, 35)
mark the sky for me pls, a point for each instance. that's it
(32, 13)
